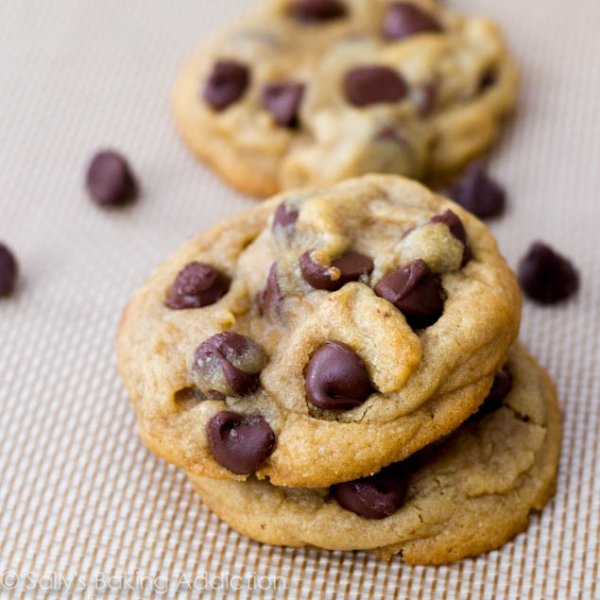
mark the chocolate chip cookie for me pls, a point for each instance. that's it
(310, 92)
(320, 336)
(466, 495)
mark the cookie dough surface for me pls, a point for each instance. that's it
(466, 495)
(408, 382)
(279, 101)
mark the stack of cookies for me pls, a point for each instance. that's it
(338, 367)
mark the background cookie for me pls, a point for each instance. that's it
(466, 495)
(306, 92)
(319, 336)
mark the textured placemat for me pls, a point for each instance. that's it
(81, 500)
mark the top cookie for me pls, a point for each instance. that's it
(310, 92)
(320, 336)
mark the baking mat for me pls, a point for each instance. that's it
(85, 509)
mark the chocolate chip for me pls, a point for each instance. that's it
(352, 266)
(197, 285)
(271, 296)
(501, 387)
(285, 216)
(457, 229)
(488, 79)
(283, 102)
(547, 276)
(238, 442)
(226, 84)
(228, 363)
(364, 86)
(476, 191)
(8, 271)
(451, 219)
(374, 497)
(336, 378)
(404, 19)
(109, 179)
(317, 11)
(416, 292)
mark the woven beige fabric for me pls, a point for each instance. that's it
(81, 500)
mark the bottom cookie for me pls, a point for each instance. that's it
(467, 494)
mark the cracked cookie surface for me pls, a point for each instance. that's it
(467, 494)
(320, 336)
(283, 100)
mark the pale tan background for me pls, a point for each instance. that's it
(79, 494)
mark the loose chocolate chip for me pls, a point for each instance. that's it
(226, 84)
(285, 216)
(364, 86)
(416, 292)
(271, 296)
(283, 102)
(476, 191)
(374, 497)
(197, 285)
(238, 442)
(547, 276)
(8, 271)
(109, 179)
(457, 229)
(336, 378)
(317, 11)
(404, 19)
(352, 266)
(218, 357)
